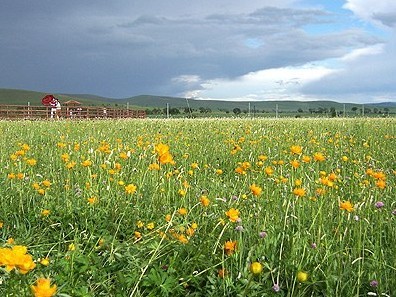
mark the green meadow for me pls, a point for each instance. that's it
(182, 207)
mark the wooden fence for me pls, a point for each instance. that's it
(67, 112)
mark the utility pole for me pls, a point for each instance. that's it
(276, 111)
(167, 110)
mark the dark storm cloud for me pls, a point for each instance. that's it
(125, 48)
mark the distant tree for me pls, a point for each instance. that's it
(300, 110)
(375, 110)
(174, 110)
(354, 109)
(205, 110)
(236, 110)
(386, 110)
(333, 112)
(188, 110)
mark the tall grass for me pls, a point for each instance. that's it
(67, 194)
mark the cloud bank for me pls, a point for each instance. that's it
(229, 50)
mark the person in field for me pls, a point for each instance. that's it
(56, 108)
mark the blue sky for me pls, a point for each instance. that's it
(204, 49)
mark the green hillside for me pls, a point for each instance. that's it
(23, 97)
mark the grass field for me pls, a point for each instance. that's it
(219, 207)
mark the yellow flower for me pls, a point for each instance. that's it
(137, 234)
(182, 211)
(269, 170)
(163, 153)
(256, 190)
(150, 226)
(139, 224)
(154, 166)
(296, 149)
(70, 165)
(295, 163)
(45, 212)
(168, 217)
(381, 184)
(16, 257)
(306, 159)
(31, 162)
(41, 191)
(204, 201)
(46, 183)
(219, 171)
(65, 157)
(262, 158)
(302, 276)
(11, 175)
(1, 224)
(86, 163)
(183, 239)
(194, 165)
(256, 268)
(92, 200)
(300, 192)
(20, 175)
(182, 192)
(124, 155)
(232, 214)
(25, 147)
(240, 170)
(61, 144)
(229, 247)
(319, 157)
(43, 288)
(346, 205)
(130, 189)
(298, 182)
(45, 261)
(71, 247)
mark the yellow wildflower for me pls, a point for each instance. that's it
(182, 211)
(130, 189)
(346, 205)
(43, 288)
(229, 247)
(256, 190)
(204, 200)
(256, 268)
(302, 276)
(232, 214)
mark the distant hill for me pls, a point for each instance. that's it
(23, 97)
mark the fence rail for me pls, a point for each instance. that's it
(67, 112)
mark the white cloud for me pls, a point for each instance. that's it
(270, 84)
(366, 51)
(377, 11)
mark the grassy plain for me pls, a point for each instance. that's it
(184, 207)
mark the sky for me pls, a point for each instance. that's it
(254, 50)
